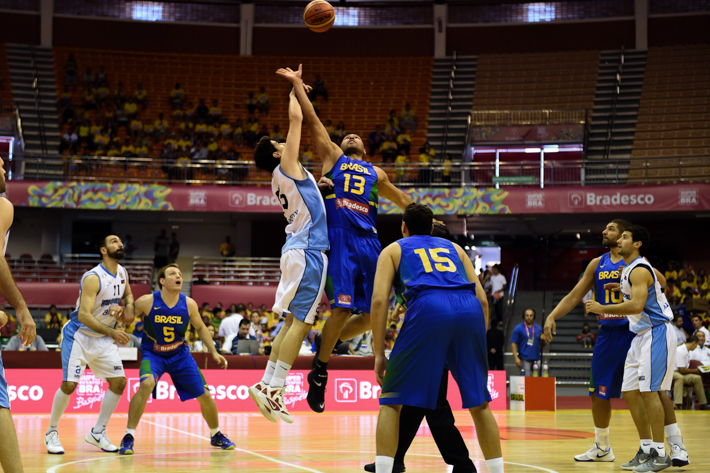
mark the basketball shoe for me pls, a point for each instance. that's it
(263, 408)
(638, 459)
(221, 441)
(126, 445)
(316, 390)
(596, 454)
(654, 463)
(679, 455)
(273, 400)
(51, 441)
(100, 440)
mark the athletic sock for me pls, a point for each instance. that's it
(602, 437)
(131, 432)
(108, 405)
(321, 367)
(646, 446)
(59, 405)
(280, 373)
(660, 448)
(495, 465)
(384, 464)
(269, 372)
(673, 435)
(213, 432)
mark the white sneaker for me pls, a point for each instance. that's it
(273, 398)
(679, 455)
(255, 393)
(596, 454)
(100, 440)
(51, 441)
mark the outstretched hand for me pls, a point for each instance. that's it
(289, 74)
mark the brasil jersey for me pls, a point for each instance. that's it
(353, 201)
(165, 327)
(429, 263)
(609, 272)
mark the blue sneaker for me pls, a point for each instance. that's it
(219, 440)
(126, 445)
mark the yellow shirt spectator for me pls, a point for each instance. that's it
(84, 131)
(307, 156)
(103, 92)
(186, 126)
(404, 139)
(184, 143)
(407, 114)
(101, 139)
(128, 149)
(47, 318)
(161, 125)
(447, 167)
(148, 128)
(424, 158)
(90, 96)
(263, 98)
(130, 108)
(212, 146)
(178, 114)
(169, 142)
(136, 125)
(213, 130)
(140, 94)
(182, 162)
(225, 129)
(215, 111)
(65, 96)
(142, 151)
(201, 128)
(113, 152)
(254, 127)
(177, 94)
(95, 129)
(388, 145)
(400, 165)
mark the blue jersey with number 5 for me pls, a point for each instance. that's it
(429, 263)
(608, 272)
(353, 201)
(165, 327)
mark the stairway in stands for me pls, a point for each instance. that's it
(35, 92)
(464, 79)
(616, 104)
(569, 361)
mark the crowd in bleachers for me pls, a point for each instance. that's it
(102, 118)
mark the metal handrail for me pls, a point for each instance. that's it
(38, 100)
(449, 98)
(510, 302)
(475, 174)
(528, 117)
(614, 103)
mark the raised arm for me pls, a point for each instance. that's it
(328, 151)
(571, 300)
(388, 190)
(8, 288)
(203, 333)
(289, 159)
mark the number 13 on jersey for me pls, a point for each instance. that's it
(441, 263)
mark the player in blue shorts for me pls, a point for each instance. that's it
(9, 448)
(614, 338)
(163, 350)
(304, 263)
(351, 205)
(434, 276)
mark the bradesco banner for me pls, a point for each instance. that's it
(32, 391)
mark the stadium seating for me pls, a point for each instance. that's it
(25, 269)
(362, 91)
(558, 81)
(674, 116)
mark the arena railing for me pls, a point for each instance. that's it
(527, 117)
(71, 267)
(471, 174)
(237, 270)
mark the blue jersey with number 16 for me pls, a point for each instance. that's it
(429, 263)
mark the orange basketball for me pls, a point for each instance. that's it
(319, 16)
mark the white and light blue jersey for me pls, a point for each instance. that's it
(112, 287)
(657, 311)
(307, 227)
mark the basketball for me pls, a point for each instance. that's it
(319, 16)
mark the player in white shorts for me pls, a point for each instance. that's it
(88, 338)
(304, 264)
(650, 361)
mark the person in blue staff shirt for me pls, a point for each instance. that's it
(526, 343)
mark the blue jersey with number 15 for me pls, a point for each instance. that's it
(429, 263)
(608, 272)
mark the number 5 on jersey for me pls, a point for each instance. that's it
(441, 263)
(168, 334)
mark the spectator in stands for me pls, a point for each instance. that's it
(697, 322)
(88, 79)
(685, 376)
(701, 353)
(319, 89)
(136, 125)
(231, 343)
(251, 103)
(218, 315)
(130, 108)
(128, 150)
(70, 70)
(263, 104)
(89, 98)
(119, 95)
(340, 133)
(425, 172)
(331, 130)
(200, 281)
(498, 285)
(69, 142)
(255, 319)
(177, 96)
(101, 75)
(495, 341)
(252, 130)
(404, 141)
(160, 249)
(198, 346)
(238, 136)
(15, 344)
(408, 118)
(680, 333)
(215, 111)
(673, 292)
(227, 249)
(277, 135)
(68, 114)
(65, 97)
(586, 337)
(392, 123)
(141, 96)
(306, 154)
(389, 149)
(400, 166)
(526, 344)
(263, 132)
(202, 111)
(376, 139)
(137, 335)
(161, 125)
(102, 92)
(52, 314)
(173, 249)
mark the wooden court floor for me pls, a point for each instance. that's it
(336, 442)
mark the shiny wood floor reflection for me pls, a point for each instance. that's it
(335, 442)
